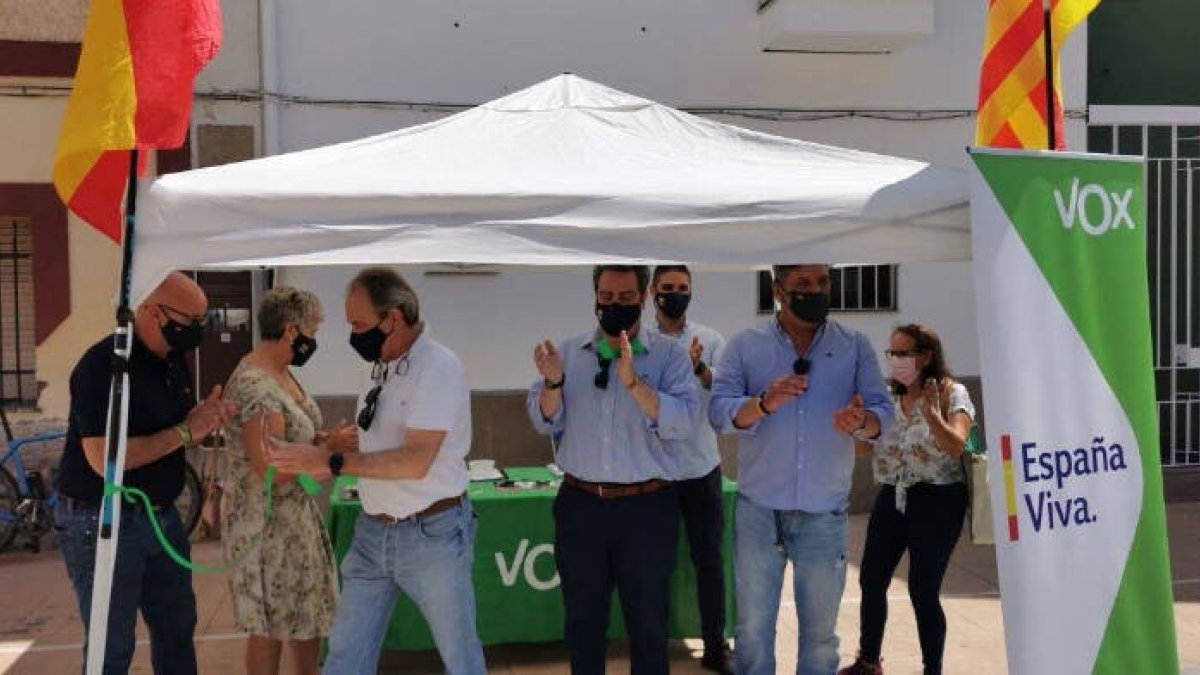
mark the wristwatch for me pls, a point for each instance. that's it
(336, 461)
(700, 368)
(555, 385)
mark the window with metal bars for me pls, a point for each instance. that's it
(1173, 262)
(855, 288)
(18, 368)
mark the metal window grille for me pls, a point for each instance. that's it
(855, 288)
(18, 369)
(1173, 251)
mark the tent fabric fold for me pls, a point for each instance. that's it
(565, 172)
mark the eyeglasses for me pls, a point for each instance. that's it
(901, 353)
(601, 379)
(801, 366)
(379, 373)
(367, 414)
(188, 319)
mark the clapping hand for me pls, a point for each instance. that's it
(696, 351)
(931, 399)
(548, 361)
(625, 362)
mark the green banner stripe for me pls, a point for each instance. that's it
(1083, 222)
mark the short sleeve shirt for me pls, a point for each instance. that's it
(424, 389)
(160, 396)
(906, 453)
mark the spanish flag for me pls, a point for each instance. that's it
(1013, 112)
(133, 89)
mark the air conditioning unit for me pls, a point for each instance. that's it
(843, 26)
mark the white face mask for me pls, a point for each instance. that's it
(904, 369)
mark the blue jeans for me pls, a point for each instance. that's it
(144, 578)
(430, 561)
(815, 543)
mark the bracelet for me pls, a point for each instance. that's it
(554, 385)
(185, 435)
(762, 406)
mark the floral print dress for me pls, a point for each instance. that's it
(906, 453)
(286, 587)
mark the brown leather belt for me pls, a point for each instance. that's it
(618, 490)
(432, 510)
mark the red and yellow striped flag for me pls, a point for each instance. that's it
(133, 89)
(1012, 82)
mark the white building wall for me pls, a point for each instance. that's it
(346, 68)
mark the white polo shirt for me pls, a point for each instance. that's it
(425, 389)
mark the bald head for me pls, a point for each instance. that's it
(177, 299)
(178, 291)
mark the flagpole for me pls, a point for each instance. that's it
(116, 438)
(1051, 117)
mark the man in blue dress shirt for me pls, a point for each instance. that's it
(614, 395)
(797, 389)
(698, 470)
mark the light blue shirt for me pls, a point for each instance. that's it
(795, 459)
(698, 454)
(604, 436)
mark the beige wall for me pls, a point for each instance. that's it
(47, 20)
(28, 138)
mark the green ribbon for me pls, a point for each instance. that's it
(134, 495)
(607, 351)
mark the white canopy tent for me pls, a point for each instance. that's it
(564, 172)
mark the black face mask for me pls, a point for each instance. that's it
(811, 307)
(183, 337)
(302, 349)
(673, 305)
(615, 318)
(369, 343)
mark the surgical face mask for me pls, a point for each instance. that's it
(615, 318)
(811, 307)
(369, 343)
(673, 305)
(302, 349)
(183, 337)
(904, 369)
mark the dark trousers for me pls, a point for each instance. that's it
(928, 529)
(703, 509)
(144, 579)
(627, 543)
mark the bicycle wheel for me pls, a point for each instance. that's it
(191, 500)
(10, 497)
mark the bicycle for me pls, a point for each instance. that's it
(27, 500)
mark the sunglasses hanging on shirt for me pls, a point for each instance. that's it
(379, 373)
(601, 379)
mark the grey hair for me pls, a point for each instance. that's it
(387, 290)
(283, 306)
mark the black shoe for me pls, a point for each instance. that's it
(718, 659)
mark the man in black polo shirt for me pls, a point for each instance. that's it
(163, 420)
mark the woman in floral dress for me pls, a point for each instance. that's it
(283, 581)
(922, 499)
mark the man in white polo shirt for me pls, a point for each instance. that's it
(417, 532)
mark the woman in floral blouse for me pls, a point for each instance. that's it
(283, 583)
(922, 498)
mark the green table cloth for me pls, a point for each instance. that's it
(517, 592)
